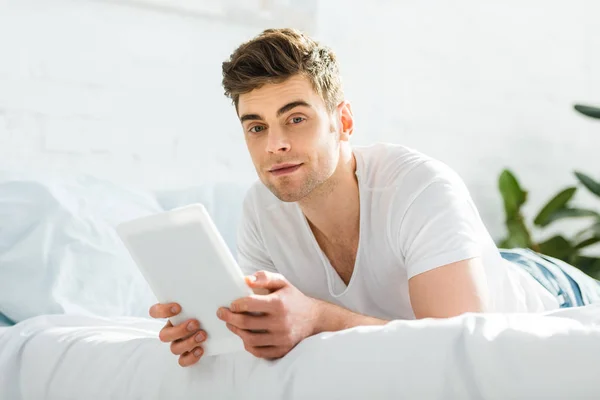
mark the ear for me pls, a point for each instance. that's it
(346, 120)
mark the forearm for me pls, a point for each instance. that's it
(332, 318)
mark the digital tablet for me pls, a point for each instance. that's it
(185, 260)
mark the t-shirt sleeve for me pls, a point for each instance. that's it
(251, 253)
(440, 226)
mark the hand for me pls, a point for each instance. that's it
(286, 316)
(185, 338)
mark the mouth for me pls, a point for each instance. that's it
(284, 169)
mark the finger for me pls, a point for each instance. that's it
(269, 352)
(164, 310)
(191, 358)
(260, 291)
(181, 331)
(245, 321)
(178, 347)
(267, 280)
(250, 279)
(254, 339)
(256, 304)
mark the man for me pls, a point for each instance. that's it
(343, 236)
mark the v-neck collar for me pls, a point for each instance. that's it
(335, 284)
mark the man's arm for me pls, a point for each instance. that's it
(273, 324)
(286, 316)
(449, 290)
(443, 292)
(332, 318)
(439, 237)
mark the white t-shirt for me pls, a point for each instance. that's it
(416, 214)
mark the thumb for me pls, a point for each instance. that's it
(266, 280)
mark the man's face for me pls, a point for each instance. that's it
(292, 138)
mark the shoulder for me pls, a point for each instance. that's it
(403, 169)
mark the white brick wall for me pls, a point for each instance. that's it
(480, 85)
(120, 92)
(134, 95)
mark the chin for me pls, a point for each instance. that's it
(288, 192)
(286, 195)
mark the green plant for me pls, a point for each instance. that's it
(592, 112)
(568, 249)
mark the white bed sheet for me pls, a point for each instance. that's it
(467, 357)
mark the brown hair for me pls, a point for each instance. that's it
(276, 55)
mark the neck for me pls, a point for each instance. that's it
(334, 207)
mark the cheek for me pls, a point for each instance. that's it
(331, 151)
(254, 148)
(316, 136)
(324, 157)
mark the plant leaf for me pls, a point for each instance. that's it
(518, 235)
(593, 230)
(557, 247)
(587, 242)
(558, 202)
(589, 183)
(589, 111)
(589, 265)
(570, 213)
(512, 194)
(505, 244)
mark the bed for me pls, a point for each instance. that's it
(82, 330)
(468, 357)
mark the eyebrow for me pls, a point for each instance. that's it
(282, 110)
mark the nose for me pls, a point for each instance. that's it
(277, 142)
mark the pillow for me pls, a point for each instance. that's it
(4, 321)
(59, 251)
(223, 201)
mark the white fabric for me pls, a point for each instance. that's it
(416, 215)
(489, 356)
(59, 252)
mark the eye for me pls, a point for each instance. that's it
(297, 120)
(257, 128)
